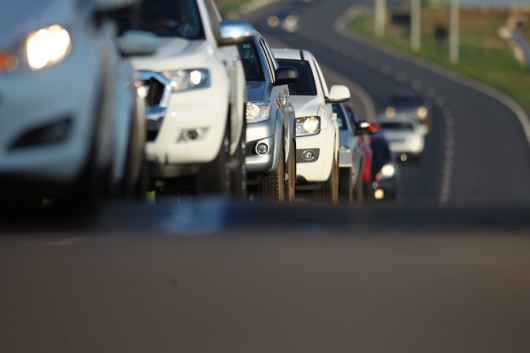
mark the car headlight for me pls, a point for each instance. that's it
(256, 112)
(422, 112)
(45, 47)
(390, 112)
(387, 171)
(309, 125)
(182, 80)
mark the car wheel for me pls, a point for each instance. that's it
(345, 186)
(214, 177)
(135, 177)
(290, 174)
(368, 192)
(239, 172)
(329, 192)
(272, 185)
(358, 191)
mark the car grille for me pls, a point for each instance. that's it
(155, 91)
(158, 92)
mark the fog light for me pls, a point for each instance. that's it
(308, 155)
(403, 157)
(379, 194)
(262, 148)
(192, 134)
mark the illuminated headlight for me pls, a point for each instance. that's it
(422, 112)
(273, 21)
(415, 143)
(307, 126)
(45, 47)
(256, 112)
(182, 80)
(387, 171)
(344, 149)
(390, 112)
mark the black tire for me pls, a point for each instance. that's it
(214, 177)
(345, 186)
(329, 192)
(239, 173)
(358, 192)
(136, 177)
(290, 174)
(368, 192)
(271, 186)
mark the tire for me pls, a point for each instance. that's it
(290, 174)
(271, 186)
(329, 192)
(368, 192)
(214, 177)
(358, 192)
(135, 177)
(345, 186)
(238, 175)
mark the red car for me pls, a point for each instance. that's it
(365, 144)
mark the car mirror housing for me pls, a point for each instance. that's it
(234, 32)
(286, 76)
(137, 42)
(339, 94)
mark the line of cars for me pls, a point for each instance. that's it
(115, 97)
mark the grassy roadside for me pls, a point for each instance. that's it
(483, 54)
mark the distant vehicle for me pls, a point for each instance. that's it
(196, 95)
(286, 21)
(385, 171)
(404, 137)
(407, 102)
(271, 147)
(364, 138)
(72, 127)
(317, 136)
(351, 156)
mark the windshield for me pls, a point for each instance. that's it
(305, 86)
(251, 62)
(395, 125)
(165, 18)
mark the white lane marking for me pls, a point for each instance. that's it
(447, 172)
(510, 103)
(401, 77)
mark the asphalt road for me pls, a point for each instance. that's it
(447, 270)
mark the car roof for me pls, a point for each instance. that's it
(291, 54)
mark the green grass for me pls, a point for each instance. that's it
(483, 54)
(228, 6)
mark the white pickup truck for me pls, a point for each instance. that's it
(196, 95)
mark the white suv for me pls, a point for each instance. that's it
(317, 136)
(71, 120)
(196, 94)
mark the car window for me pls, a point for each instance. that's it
(305, 86)
(323, 84)
(251, 62)
(341, 117)
(396, 125)
(165, 18)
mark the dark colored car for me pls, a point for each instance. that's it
(385, 171)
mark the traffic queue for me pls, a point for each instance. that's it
(118, 98)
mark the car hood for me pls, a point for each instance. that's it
(175, 54)
(305, 105)
(255, 91)
(19, 18)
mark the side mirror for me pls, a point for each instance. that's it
(362, 126)
(339, 94)
(234, 32)
(136, 42)
(286, 76)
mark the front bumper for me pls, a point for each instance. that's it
(268, 133)
(316, 169)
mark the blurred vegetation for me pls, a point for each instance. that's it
(227, 6)
(484, 55)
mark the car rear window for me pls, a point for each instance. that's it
(305, 86)
(396, 125)
(251, 62)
